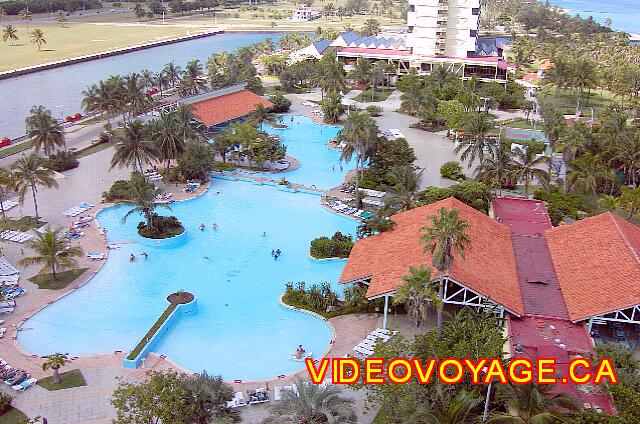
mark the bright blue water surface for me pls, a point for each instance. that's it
(625, 14)
(60, 89)
(240, 330)
(318, 166)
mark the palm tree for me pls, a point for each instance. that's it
(28, 173)
(6, 185)
(3, 14)
(37, 38)
(262, 115)
(462, 409)
(588, 170)
(172, 72)
(554, 125)
(55, 362)
(629, 200)
(533, 403)
(208, 395)
(527, 167)
(45, 131)
(584, 75)
(445, 236)
(143, 196)
(330, 76)
(147, 79)
(101, 97)
(135, 93)
(25, 16)
(404, 187)
(9, 33)
(359, 134)
(332, 107)
(496, 169)
(51, 251)
(479, 125)
(184, 116)
(165, 132)
(418, 293)
(134, 148)
(361, 72)
(61, 18)
(312, 403)
(560, 75)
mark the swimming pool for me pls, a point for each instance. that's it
(240, 330)
(305, 140)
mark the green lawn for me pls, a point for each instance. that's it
(13, 416)
(98, 147)
(24, 224)
(73, 378)
(520, 123)
(378, 95)
(565, 100)
(46, 281)
(96, 33)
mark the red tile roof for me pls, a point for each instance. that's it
(523, 216)
(488, 267)
(227, 107)
(597, 261)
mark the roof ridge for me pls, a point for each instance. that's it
(613, 218)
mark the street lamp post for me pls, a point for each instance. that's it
(485, 413)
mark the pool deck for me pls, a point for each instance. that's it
(90, 404)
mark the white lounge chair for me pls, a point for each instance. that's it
(24, 385)
(362, 351)
(6, 310)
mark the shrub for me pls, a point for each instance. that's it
(197, 161)
(561, 205)
(280, 103)
(62, 161)
(163, 227)
(374, 110)
(320, 298)
(120, 190)
(338, 246)
(5, 402)
(223, 166)
(473, 193)
(452, 170)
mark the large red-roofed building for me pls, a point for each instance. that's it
(225, 105)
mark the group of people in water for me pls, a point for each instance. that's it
(276, 253)
(203, 227)
(132, 257)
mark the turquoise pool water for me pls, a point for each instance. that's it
(305, 140)
(240, 330)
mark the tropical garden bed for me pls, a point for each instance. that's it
(23, 224)
(163, 227)
(73, 378)
(62, 280)
(378, 95)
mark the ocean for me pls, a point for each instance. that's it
(625, 14)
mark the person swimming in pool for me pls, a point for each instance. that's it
(145, 254)
(132, 257)
(215, 226)
(299, 352)
(202, 227)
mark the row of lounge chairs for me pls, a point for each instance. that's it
(19, 380)
(342, 208)
(77, 210)
(16, 236)
(311, 105)
(164, 196)
(12, 291)
(365, 347)
(260, 395)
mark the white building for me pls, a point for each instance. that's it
(443, 27)
(304, 13)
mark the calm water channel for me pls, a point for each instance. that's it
(60, 89)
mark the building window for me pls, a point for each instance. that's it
(473, 33)
(471, 53)
(412, 8)
(410, 29)
(475, 11)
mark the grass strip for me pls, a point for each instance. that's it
(152, 331)
(64, 278)
(73, 378)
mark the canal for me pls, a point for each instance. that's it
(60, 89)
